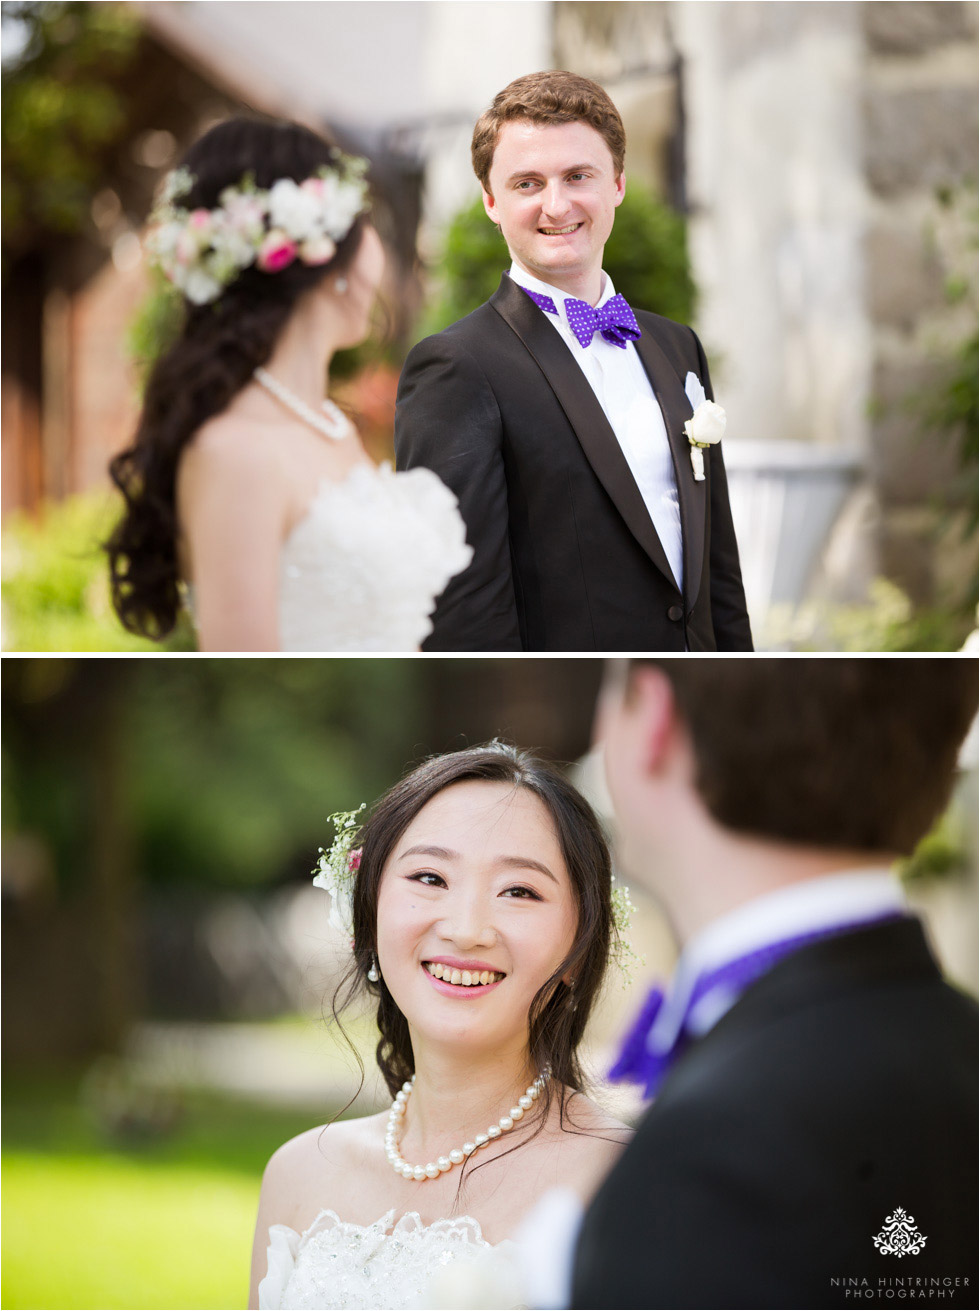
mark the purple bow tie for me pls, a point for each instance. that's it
(640, 1062)
(614, 321)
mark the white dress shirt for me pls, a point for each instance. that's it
(622, 388)
(829, 902)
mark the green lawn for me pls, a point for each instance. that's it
(168, 1224)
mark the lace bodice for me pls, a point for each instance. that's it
(406, 1264)
(364, 567)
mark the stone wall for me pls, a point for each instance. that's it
(919, 121)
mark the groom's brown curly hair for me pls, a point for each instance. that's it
(550, 97)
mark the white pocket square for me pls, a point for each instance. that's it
(694, 391)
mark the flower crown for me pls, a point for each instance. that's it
(202, 250)
(336, 871)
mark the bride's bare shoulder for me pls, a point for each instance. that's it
(588, 1140)
(315, 1164)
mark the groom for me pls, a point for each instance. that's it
(556, 414)
(813, 1138)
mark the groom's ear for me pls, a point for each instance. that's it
(489, 204)
(658, 723)
(620, 189)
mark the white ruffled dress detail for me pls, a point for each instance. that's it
(388, 1265)
(364, 567)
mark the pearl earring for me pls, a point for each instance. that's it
(373, 975)
(340, 286)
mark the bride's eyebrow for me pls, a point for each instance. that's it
(509, 862)
(526, 862)
(441, 853)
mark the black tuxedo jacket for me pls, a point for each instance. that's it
(566, 557)
(842, 1085)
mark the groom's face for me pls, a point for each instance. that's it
(554, 192)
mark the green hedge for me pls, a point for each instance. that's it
(56, 581)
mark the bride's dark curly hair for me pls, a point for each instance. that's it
(219, 347)
(558, 1014)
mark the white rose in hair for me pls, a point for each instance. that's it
(318, 250)
(342, 208)
(294, 210)
(199, 287)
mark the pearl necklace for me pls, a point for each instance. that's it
(333, 423)
(396, 1118)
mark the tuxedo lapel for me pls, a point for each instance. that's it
(676, 410)
(584, 414)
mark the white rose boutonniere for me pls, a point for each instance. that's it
(705, 427)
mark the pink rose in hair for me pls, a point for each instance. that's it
(276, 252)
(354, 862)
(318, 250)
(200, 219)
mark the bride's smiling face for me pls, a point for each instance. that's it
(475, 891)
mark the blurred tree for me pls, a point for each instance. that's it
(233, 765)
(60, 110)
(646, 257)
(199, 778)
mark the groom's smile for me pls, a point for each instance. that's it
(554, 192)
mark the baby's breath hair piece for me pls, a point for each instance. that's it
(337, 868)
(621, 949)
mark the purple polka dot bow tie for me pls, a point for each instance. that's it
(614, 321)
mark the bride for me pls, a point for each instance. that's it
(482, 925)
(248, 493)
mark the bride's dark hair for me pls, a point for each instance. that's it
(219, 347)
(558, 1014)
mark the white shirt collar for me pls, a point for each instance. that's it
(827, 902)
(524, 279)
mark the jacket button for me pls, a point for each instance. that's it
(675, 613)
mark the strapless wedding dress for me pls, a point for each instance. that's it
(363, 569)
(389, 1265)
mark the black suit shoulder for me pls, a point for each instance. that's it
(785, 1137)
(466, 333)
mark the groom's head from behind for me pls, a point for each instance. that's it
(731, 777)
(549, 154)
